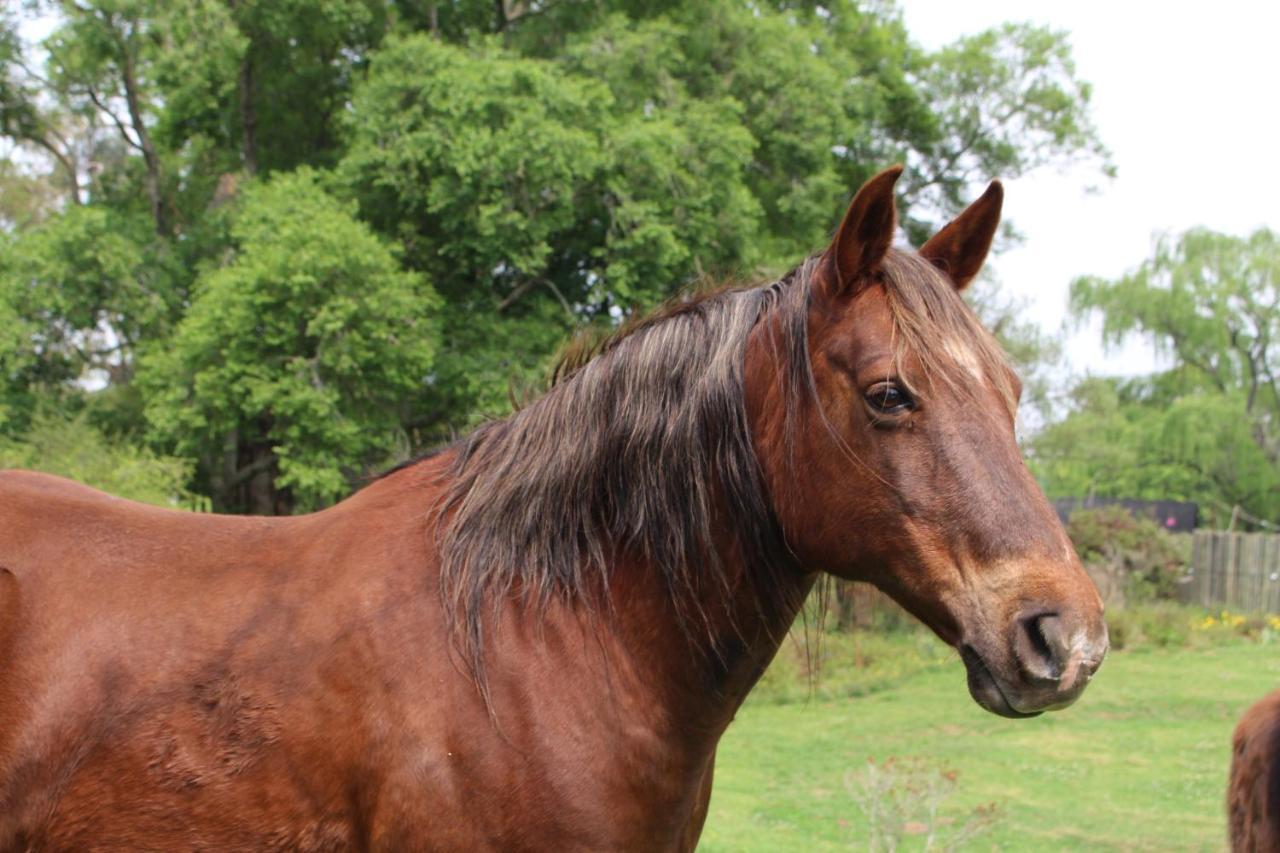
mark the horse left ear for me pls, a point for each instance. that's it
(962, 245)
(867, 230)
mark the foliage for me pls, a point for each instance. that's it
(1147, 560)
(1004, 101)
(1209, 301)
(27, 196)
(545, 166)
(1207, 429)
(81, 290)
(74, 448)
(297, 354)
(845, 664)
(1165, 624)
(1162, 625)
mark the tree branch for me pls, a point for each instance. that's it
(119, 123)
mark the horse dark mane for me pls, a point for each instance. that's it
(641, 437)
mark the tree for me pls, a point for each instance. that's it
(287, 377)
(1208, 428)
(1209, 301)
(261, 85)
(597, 160)
(546, 166)
(82, 291)
(29, 119)
(1001, 103)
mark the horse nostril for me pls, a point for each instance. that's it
(1040, 646)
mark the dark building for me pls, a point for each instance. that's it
(1174, 516)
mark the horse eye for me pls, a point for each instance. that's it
(889, 399)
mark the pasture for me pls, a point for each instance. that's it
(1139, 763)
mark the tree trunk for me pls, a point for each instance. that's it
(160, 209)
(248, 115)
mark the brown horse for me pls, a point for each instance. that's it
(1253, 795)
(535, 639)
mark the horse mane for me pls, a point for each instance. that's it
(642, 438)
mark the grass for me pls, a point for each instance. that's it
(1139, 763)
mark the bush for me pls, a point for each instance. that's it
(1166, 624)
(853, 605)
(74, 448)
(1162, 624)
(903, 797)
(1131, 558)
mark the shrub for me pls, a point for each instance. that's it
(1134, 556)
(72, 447)
(1161, 624)
(907, 796)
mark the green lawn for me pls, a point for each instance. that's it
(1139, 763)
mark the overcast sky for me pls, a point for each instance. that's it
(1185, 96)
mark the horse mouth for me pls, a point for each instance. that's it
(986, 690)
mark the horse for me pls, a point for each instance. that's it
(1253, 794)
(534, 638)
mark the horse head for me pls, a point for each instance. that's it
(899, 464)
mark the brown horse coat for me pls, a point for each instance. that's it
(284, 684)
(1253, 795)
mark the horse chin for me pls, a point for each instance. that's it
(986, 690)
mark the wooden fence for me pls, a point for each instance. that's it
(1239, 571)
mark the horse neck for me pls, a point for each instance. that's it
(699, 671)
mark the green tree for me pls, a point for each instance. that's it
(288, 376)
(544, 165)
(82, 292)
(30, 117)
(1002, 102)
(589, 162)
(1208, 428)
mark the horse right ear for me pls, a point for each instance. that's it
(867, 230)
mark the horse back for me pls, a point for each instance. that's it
(1253, 797)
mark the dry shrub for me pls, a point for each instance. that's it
(904, 798)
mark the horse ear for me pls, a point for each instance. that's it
(867, 229)
(962, 245)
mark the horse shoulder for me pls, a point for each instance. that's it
(1253, 796)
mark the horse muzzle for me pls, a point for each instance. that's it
(1044, 665)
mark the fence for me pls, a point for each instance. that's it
(1240, 571)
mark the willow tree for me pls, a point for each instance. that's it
(1208, 428)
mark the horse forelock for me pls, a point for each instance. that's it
(934, 324)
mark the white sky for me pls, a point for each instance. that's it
(1185, 96)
